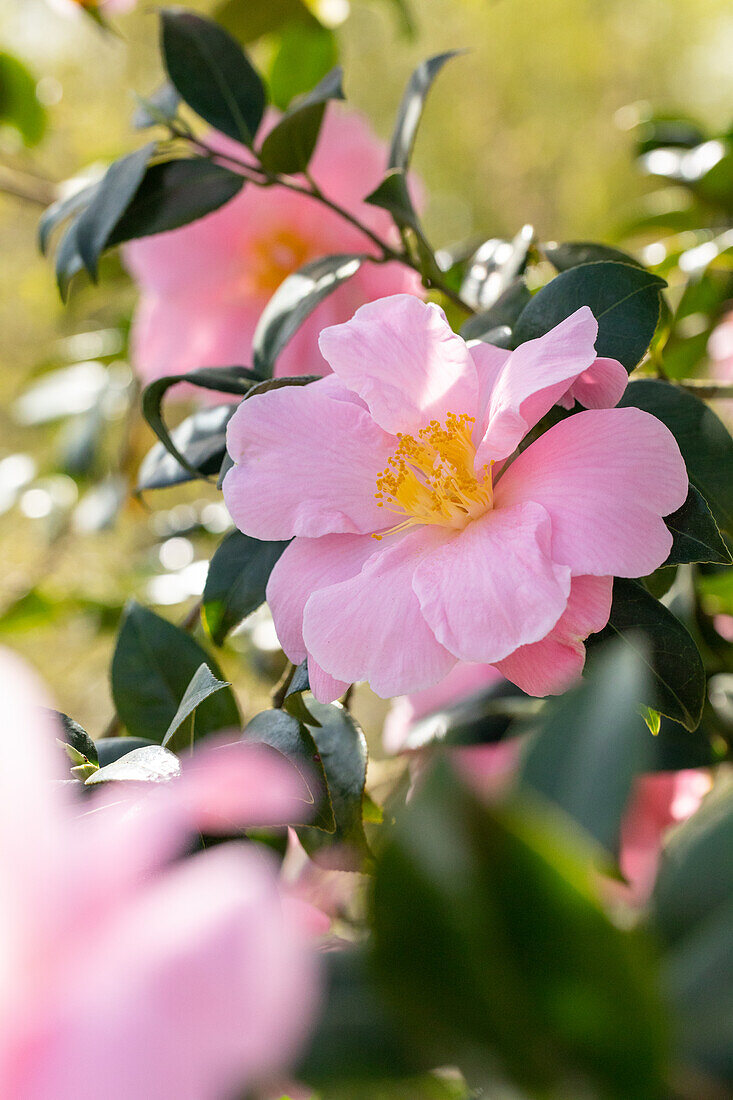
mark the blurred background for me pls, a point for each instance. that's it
(536, 123)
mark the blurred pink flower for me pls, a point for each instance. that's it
(488, 561)
(720, 349)
(125, 974)
(658, 800)
(203, 287)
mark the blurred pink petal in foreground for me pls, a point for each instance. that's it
(658, 800)
(203, 287)
(123, 974)
(420, 537)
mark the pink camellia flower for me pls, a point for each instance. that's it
(417, 543)
(125, 972)
(204, 286)
(720, 349)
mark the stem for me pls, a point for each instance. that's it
(260, 177)
(281, 688)
(22, 185)
(707, 390)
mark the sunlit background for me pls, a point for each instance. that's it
(533, 124)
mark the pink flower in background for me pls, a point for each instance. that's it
(203, 287)
(720, 349)
(417, 544)
(124, 974)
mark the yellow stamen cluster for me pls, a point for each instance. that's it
(273, 258)
(431, 479)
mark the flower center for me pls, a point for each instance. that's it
(431, 479)
(274, 258)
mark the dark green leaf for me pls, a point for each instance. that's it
(235, 380)
(677, 684)
(110, 749)
(62, 209)
(212, 74)
(484, 717)
(592, 743)
(411, 108)
(152, 764)
(343, 751)
(289, 146)
(202, 686)
(498, 321)
(294, 300)
(95, 224)
(201, 438)
(160, 108)
(174, 194)
(153, 664)
(692, 910)
(285, 733)
(68, 260)
(78, 738)
(624, 300)
(236, 581)
(706, 445)
(492, 947)
(305, 54)
(573, 253)
(19, 104)
(393, 195)
(494, 268)
(695, 533)
(299, 681)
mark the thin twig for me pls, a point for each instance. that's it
(22, 185)
(707, 390)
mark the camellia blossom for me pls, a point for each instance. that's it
(658, 800)
(416, 542)
(204, 286)
(125, 972)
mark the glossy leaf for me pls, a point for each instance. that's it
(19, 104)
(68, 260)
(174, 194)
(300, 681)
(285, 733)
(202, 686)
(234, 380)
(573, 253)
(153, 664)
(294, 300)
(343, 751)
(677, 676)
(152, 764)
(110, 749)
(95, 224)
(290, 144)
(236, 581)
(73, 734)
(592, 743)
(706, 445)
(492, 947)
(212, 74)
(201, 438)
(411, 108)
(494, 268)
(624, 299)
(62, 209)
(484, 717)
(494, 325)
(393, 196)
(695, 533)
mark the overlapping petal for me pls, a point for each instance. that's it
(494, 586)
(306, 464)
(606, 477)
(402, 357)
(370, 627)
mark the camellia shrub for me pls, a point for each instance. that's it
(494, 484)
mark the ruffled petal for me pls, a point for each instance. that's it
(304, 567)
(402, 357)
(306, 464)
(606, 477)
(600, 387)
(535, 376)
(371, 628)
(494, 586)
(550, 666)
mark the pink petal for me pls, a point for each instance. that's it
(550, 666)
(600, 387)
(324, 687)
(370, 627)
(535, 376)
(489, 362)
(307, 464)
(606, 477)
(494, 586)
(305, 566)
(402, 357)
